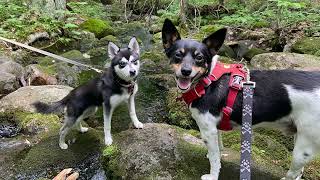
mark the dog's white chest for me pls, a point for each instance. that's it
(115, 100)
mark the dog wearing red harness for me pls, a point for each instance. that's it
(212, 90)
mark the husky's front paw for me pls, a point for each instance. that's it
(208, 177)
(63, 146)
(108, 141)
(138, 125)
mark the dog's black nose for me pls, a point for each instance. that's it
(132, 72)
(186, 72)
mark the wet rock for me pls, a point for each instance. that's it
(286, 61)
(97, 26)
(25, 96)
(8, 83)
(161, 151)
(46, 159)
(36, 77)
(307, 45)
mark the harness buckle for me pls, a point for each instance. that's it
(206, 81)
(227, 110)
(249, 83)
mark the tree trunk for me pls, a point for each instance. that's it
(183, 18)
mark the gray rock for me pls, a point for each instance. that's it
(8, 83)
(4, 59)
(12, 68)
(160, 151)
(24, 97)
(286, 61)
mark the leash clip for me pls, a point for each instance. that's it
(249, 83)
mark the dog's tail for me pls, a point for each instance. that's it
(55, 107)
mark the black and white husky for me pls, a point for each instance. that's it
(287, 97)
(115, 85)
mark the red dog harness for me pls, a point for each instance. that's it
(237, 76)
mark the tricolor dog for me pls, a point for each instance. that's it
(288, 98)
(115, 85)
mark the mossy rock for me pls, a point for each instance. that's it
(161, 151)
(47, 155)
(252, 52)
(205, 31)
(31, 123)
(163, 81)
(87, 75)
(307, 45)
(97, 26)
(105, 41)
(265, 149)
(98, 56)
(178, 112)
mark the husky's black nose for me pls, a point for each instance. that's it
(132, 72)
(186, 72)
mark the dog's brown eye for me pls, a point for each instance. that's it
(199, 58)
(178, 55)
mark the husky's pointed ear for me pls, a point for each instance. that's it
(112, 50)
(215, 40)
(169, 34)
(134, 46)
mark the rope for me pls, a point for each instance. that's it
(60, 58)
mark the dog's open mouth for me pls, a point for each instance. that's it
(183, 83)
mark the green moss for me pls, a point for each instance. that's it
(261, 24)
(265, 149)
(49, 69)
(287, 141)
(97, 26)
(32, 122)
(178, 113)
(193, 163)
(312, 170)
(307, 45)
(205, 31)
(111, 155)
(110, 38)
(47, 154)
(87, 75)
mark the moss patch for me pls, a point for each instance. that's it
(178, 113)
(307, 45)
(97, 26)
(252, 52)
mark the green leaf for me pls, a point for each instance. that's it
(70, 26)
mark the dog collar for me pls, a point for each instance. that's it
(237, 76)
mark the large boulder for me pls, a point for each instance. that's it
(8, 83)
(307, 45)
(285, 61)
(23, 98)
(161, 151)
(12, 68)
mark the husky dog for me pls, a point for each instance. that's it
(115, 85)
(288, 98)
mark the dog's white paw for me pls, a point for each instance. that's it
(208, 177)
(63, 146)
(138, 125)
(84, 129)
(108, 141)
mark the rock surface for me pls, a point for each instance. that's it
(285, 61)
(307, 45)
(23, 98)
(161, 151)
(37, 77)
(8, 83)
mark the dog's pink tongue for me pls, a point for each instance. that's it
(184, 83)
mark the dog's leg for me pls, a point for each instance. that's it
(209, 133)
(107, 114)
(303, 152)
(132, 113)
(68, 123)
(79, 126)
